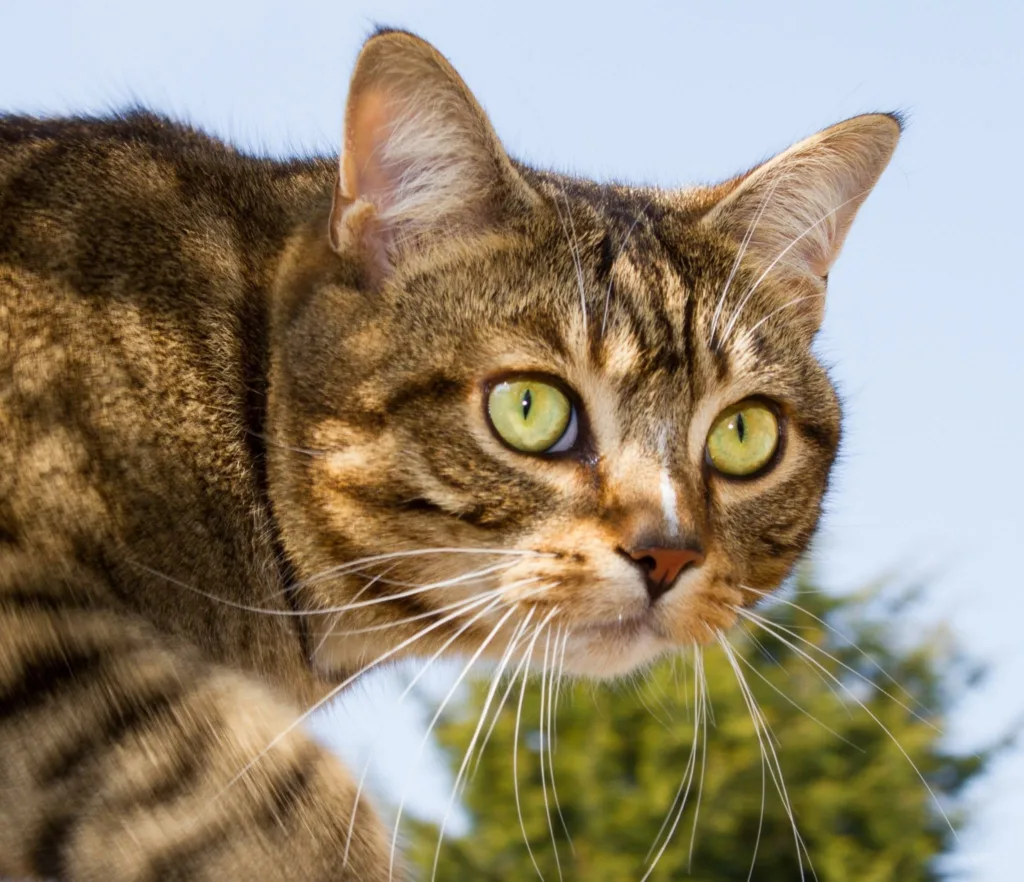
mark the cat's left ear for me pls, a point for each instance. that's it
(791, 214)
(420, 158)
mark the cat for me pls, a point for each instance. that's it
(265, 425)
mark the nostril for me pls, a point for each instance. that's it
(662, 566)
(647, 562)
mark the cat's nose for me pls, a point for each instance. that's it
(662, 566)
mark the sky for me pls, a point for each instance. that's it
(925, 313)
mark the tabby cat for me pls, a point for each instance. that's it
(266, 425)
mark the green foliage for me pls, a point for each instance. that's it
(621, 752)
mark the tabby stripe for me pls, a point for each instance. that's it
(421, 504)
(779, 547)
(104, 735)
(479, 516)
(762, 351)
(719, 357)
(45, 677)
(820, 436)
(287, 792)
(664, 353)
(52, 839)
(689, 348)
(413, 605)
(476, 515)
(636, 325)
(187, 860)
(437, 387)
(34, 601)
(606, 253)
(182, 776)
(56, 832)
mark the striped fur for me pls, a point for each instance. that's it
(238, 394)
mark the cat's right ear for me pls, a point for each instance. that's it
(420, 158)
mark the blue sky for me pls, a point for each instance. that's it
(925, 312)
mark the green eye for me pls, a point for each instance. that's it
(532, 416)
(743, 439)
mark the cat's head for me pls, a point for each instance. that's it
(510, 396)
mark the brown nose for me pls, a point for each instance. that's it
(662, 566)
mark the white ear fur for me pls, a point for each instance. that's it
(793, 212)
(420, 156)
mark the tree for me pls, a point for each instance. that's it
(854, 721)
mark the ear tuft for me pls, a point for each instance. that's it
(420, 157)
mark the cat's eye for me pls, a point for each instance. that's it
(532, 416)
(743, 438)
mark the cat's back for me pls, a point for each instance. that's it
(133, 252)
(137, 198)
(135, 256)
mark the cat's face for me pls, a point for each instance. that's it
(528, 400)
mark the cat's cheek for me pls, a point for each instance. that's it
(577, 569)
(698, 616)
(765, 575)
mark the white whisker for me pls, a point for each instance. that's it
(545, 696)
(523, 662)
(510, 652)
(352, 820)
(492, 689)
(463, 579)
(750, 331)
(638, 691)
(781, 254)
(447, 644)
(558, 685)
(705, 712)
(793, 703)
(675, 811)
(336, 618)
(769, 757)
(266, 439)
(338, 569)
(867, 681)
(622, 248)
(762, 623)
(832, 689)
(494, 592)
(515, 741)
(834, 630)
(332, 694)
(557, 662)
(742, 250)
(574, 251)
(419, 589)
(328, 610)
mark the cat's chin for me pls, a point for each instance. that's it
(604, 651)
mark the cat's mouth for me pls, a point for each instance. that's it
(625, 627)
(617, 646)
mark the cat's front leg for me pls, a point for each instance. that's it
(127, 758)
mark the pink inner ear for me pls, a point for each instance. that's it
(369, 127)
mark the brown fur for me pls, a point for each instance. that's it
(223, 378)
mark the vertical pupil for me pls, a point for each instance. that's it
(741, 427)
(526, 401)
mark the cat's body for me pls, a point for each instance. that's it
(224, 378)
(137, 261)
(133, 356)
